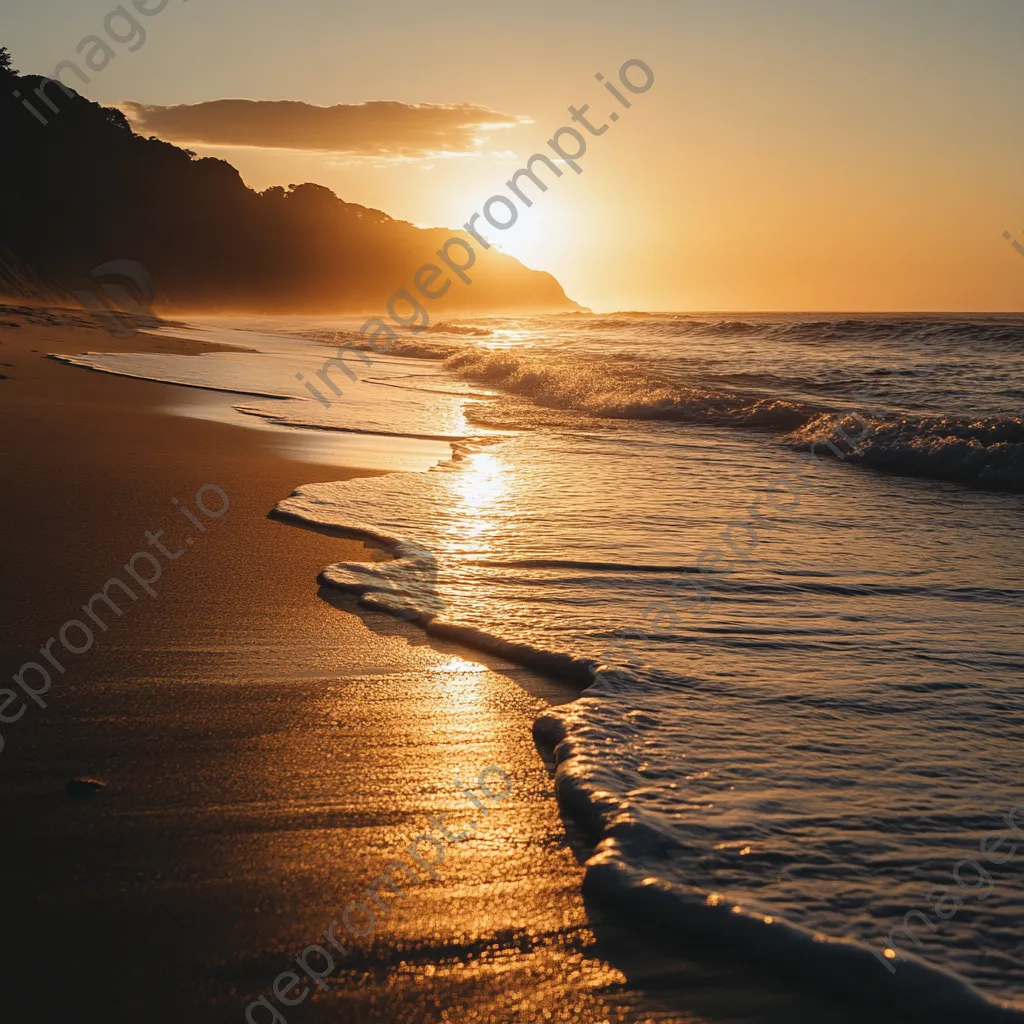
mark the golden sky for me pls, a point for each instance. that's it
(791, 155)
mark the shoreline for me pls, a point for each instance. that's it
(264, 749)
(259, 747)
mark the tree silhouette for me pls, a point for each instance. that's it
(5, 62)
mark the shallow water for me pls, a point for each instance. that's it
(809, 675)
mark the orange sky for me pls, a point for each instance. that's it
(793, 155)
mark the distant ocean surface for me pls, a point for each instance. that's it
(786, 554)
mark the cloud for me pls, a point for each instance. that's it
(380, 128)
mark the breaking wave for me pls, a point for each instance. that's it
(470, 331)
(979, 453)
(983, 453)
(621, 392)
(405, 346)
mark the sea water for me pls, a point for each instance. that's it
(783, 554)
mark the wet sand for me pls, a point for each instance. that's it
(265, 753)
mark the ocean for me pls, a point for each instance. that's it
(782, 554)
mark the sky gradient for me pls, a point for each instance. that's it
(791, 155)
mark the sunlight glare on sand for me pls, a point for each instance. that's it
(461, 688)
(456, 664)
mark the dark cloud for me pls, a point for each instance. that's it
(377, 129)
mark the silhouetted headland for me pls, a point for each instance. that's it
(83, 189)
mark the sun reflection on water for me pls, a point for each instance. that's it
(482, 480)
(479, 488)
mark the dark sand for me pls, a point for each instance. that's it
(265, 754)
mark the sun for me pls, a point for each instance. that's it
(540, 232)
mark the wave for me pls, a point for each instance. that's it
(404, 586)
(987, 454)
(403, 346)
(448, 327)
(561, 563)
(984, 330)
(407, 586)
(706, 922)
(980, 453)
(622, 392)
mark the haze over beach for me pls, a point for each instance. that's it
(512, 515)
